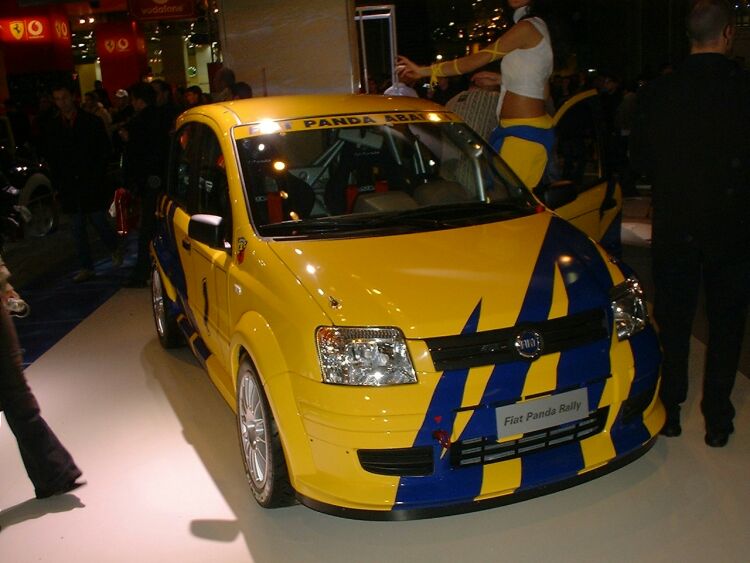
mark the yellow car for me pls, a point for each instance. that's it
(580, 185)
(402, 329)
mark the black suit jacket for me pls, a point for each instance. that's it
(78, 155)
(691, 137)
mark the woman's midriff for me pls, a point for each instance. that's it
(515, 106)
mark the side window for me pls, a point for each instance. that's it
(578, 147)
(185, 146)
(212, 189)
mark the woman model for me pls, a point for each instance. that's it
(525, 137)
(48, 464)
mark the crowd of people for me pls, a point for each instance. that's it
(92, 145)
(106, 141)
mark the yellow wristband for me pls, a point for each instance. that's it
(493, 52)
(435, 73)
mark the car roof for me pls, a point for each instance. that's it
(253, 110)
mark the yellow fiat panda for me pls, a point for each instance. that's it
(402, 329)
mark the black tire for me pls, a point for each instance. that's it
(166, 324)
(44, 212)
(260, 445)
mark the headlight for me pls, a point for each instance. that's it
(364, 356)
(629, 308)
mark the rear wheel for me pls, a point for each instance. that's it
(165, 321)
(44, 213)
(262, 453)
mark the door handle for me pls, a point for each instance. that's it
(205, 301)
(186, 244)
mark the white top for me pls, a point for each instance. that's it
(526, 71)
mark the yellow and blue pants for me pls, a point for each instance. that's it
(526, 144)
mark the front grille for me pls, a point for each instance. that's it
(487, 450)
(397, 461)
(497, 346)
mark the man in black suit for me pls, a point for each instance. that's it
(78, 151)
(691, 137)
(146, 138)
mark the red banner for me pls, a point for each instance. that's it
(119, 39)
(162, 9)
(122, 53)
(36, 40)
(37, 28)
(24, 29)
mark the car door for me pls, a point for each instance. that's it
(207, 286)
(580, 167)
(198, 185)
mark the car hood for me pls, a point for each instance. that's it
(437, 283)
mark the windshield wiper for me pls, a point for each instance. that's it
(444, 214)
(432, 217)
(317, 226)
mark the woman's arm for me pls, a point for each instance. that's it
(523, 35)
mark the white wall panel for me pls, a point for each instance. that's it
(290, 46)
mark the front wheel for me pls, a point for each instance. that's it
(262, 454)
(164, 319)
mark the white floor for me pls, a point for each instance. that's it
(165, 481)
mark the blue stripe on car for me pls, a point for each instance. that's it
(587, 281)
(441, 415)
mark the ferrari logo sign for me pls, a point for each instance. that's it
(32, 29)
(17, 29)
(117, 45)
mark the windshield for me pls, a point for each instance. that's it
(386, 178)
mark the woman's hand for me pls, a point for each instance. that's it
(486, 80)
(9, 293)
(407, 69)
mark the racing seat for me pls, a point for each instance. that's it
(281, 198)
(438, 191)
(362, 169)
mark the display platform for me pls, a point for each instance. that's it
(158, 447)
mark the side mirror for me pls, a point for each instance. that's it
(207, 229)
(557, 194)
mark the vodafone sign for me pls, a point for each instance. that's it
(117, 40)
(118, 45)
(24, 29)
(33, 29)
(162, 9)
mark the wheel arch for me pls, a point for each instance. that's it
(254, 333)
(273, 371)
(166, 283)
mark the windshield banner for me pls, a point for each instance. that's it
(337, 121)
